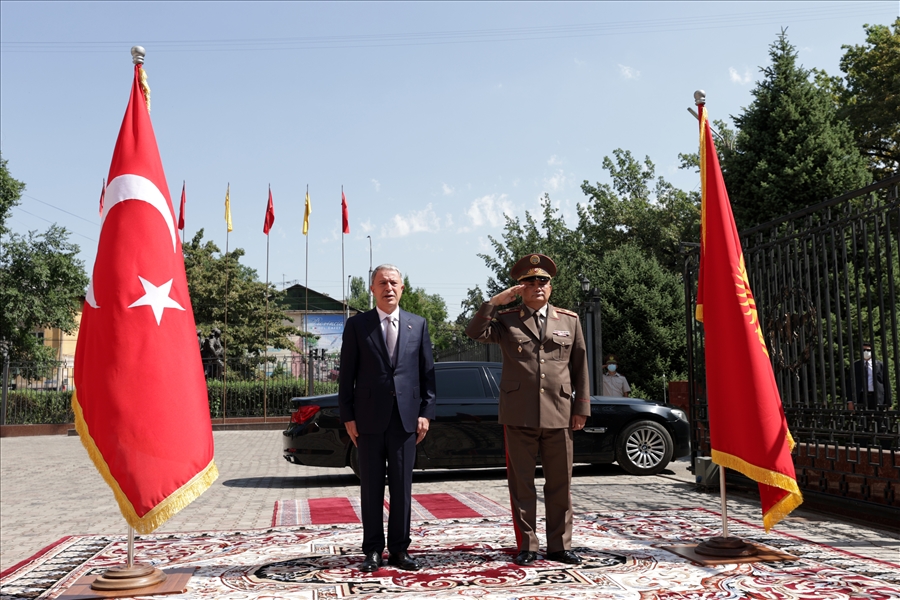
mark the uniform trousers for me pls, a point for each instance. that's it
(555, 447)
(395, 448)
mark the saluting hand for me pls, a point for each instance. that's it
(507, 296)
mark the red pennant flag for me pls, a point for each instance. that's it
(345, 213)
(141, 405)
(270, 214)
(747, 427)
(181, 210)
(102, 196)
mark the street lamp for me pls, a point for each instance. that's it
(593, 333)
(370, 271)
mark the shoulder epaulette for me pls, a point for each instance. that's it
(509, 310)
(567, 312)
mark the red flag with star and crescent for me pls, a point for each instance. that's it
(748, 430)
(140, 403)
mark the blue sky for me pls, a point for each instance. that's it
(437, 118)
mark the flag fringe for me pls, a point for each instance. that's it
(145, 86)
(767, 477)
(163, 511)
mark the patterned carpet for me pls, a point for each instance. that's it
(472, 558)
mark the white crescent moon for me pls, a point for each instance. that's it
(135, 187)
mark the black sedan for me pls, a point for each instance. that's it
(642, 436)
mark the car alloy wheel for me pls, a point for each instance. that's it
(644, 448)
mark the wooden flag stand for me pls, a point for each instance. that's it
(131, 579)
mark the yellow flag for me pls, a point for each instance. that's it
(306, 215)
(228, 207)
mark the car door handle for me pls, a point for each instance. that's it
(594, 430)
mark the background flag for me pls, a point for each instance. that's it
(181, 209)
(306, 214)
(102, 196)
(270, 214)
(141, 405)
(228, 207)
(747, 427)
(345, 214)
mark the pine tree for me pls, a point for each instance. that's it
(792, 149)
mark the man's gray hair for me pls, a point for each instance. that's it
(385, 267)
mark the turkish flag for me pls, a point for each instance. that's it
(270, 215)
(747, 428)
(345, 214)
(140, 403)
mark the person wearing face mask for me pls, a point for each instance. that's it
(614, 384)
(871, 391)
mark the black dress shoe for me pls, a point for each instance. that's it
(565, 556)
(403, 560)
(525, 558)
(371, 563)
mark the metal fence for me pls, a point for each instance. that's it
(468, 349)
(246, 389)
(825, 280)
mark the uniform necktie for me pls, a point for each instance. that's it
(390, 337)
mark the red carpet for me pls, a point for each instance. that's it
(425, 507)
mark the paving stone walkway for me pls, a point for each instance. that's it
(50, 489)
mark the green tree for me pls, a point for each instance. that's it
(433, 308)
(792, 149)
(638, 208)
(868, 96)
(206, 267)
(42, 281)
(359, 294)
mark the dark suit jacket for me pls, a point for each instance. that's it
(368, 382)
(882, 391)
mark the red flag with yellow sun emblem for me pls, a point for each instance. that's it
(747, 427)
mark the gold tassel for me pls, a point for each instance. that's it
(145, 87)
(161, 513)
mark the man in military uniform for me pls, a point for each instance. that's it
(544, 362)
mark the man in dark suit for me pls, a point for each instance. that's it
(386, 396)
(544, 396)
(872, 391)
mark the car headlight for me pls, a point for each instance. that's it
(680, 415)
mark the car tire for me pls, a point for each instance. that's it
(644, 448)
(354, 460)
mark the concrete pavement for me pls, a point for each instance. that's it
(50, 489)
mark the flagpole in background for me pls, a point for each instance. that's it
(267, 226)
(102, 197)
(306, 212)
(181, 212)
(228, 228)
(345, 229)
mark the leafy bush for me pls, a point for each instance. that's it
(30, 407)
(245, 398)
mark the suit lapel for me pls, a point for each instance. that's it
(529, 324)
(551, 323)
(402, 335)
(376, 335)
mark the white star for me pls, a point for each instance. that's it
(156, 298)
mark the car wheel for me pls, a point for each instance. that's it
(644, 448)
(354, 460)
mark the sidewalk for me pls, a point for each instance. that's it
(50, 489)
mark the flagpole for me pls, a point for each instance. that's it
(181, 215)
(266, 338)
(309, 371)
(342, 255)
(225, 325)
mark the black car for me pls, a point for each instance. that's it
(642, 436)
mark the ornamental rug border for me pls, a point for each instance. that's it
(471, 558)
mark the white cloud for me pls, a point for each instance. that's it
(367, 226)
(488, 210)
(554, 161)
(737, 77)
(418, 221)
(377, 185)
(447, 189)
(555, 182)
(629, 72)
(448, 220)
(580, 63)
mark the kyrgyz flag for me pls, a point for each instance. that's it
(345, 213)
(141, 405)
(270, 215)
(747, 427)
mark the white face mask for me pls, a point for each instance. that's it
(611, 368)
(867, 354)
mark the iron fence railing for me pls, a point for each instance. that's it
(467, 349)
(247, 388)
(826, 279)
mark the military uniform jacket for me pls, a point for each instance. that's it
(539, 374)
